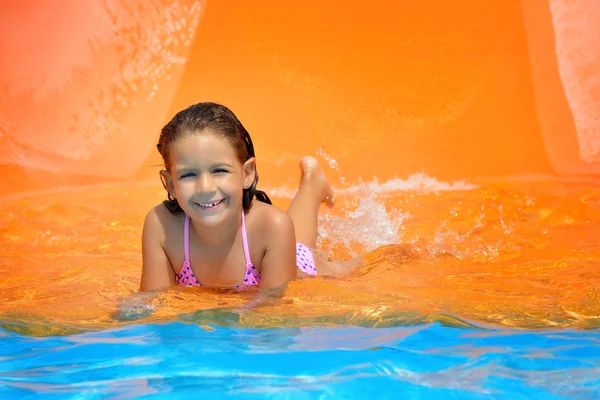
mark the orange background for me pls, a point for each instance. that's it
(454, 89)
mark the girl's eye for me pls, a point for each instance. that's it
(188, 174)
(220, 171)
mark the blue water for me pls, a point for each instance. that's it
(178, 360)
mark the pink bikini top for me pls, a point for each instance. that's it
(186, 276)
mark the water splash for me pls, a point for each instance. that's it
(364, 218)
(364, 226)
(331, 162)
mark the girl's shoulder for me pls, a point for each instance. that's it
(160, 219)
(267, 220)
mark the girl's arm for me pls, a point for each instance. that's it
(157, 273)
(278, 265)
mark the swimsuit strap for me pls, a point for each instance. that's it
(186, 239)
(245, 242)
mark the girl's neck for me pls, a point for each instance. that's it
(218, 236)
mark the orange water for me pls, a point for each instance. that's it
(521, 253)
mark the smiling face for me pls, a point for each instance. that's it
(207, 177)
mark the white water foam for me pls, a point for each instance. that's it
(368, 226)
(418, 182)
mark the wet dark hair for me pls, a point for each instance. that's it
(219, 120)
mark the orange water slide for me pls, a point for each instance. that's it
(452, 88)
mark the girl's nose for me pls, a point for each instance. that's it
(206, 183)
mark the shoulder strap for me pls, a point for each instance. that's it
(186, 239)
(245, 242)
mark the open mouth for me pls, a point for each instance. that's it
(208, 206)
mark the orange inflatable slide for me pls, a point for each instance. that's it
(450, 88)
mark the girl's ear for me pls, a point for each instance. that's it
(165, 178)
(249, 172)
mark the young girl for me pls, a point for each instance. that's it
(211, 231)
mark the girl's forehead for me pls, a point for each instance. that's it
(202, 147)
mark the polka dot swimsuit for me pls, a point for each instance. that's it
(304, 261)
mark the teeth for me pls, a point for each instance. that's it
(210, 204)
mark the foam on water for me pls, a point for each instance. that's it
(368, 226)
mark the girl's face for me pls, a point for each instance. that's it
(207, 177)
